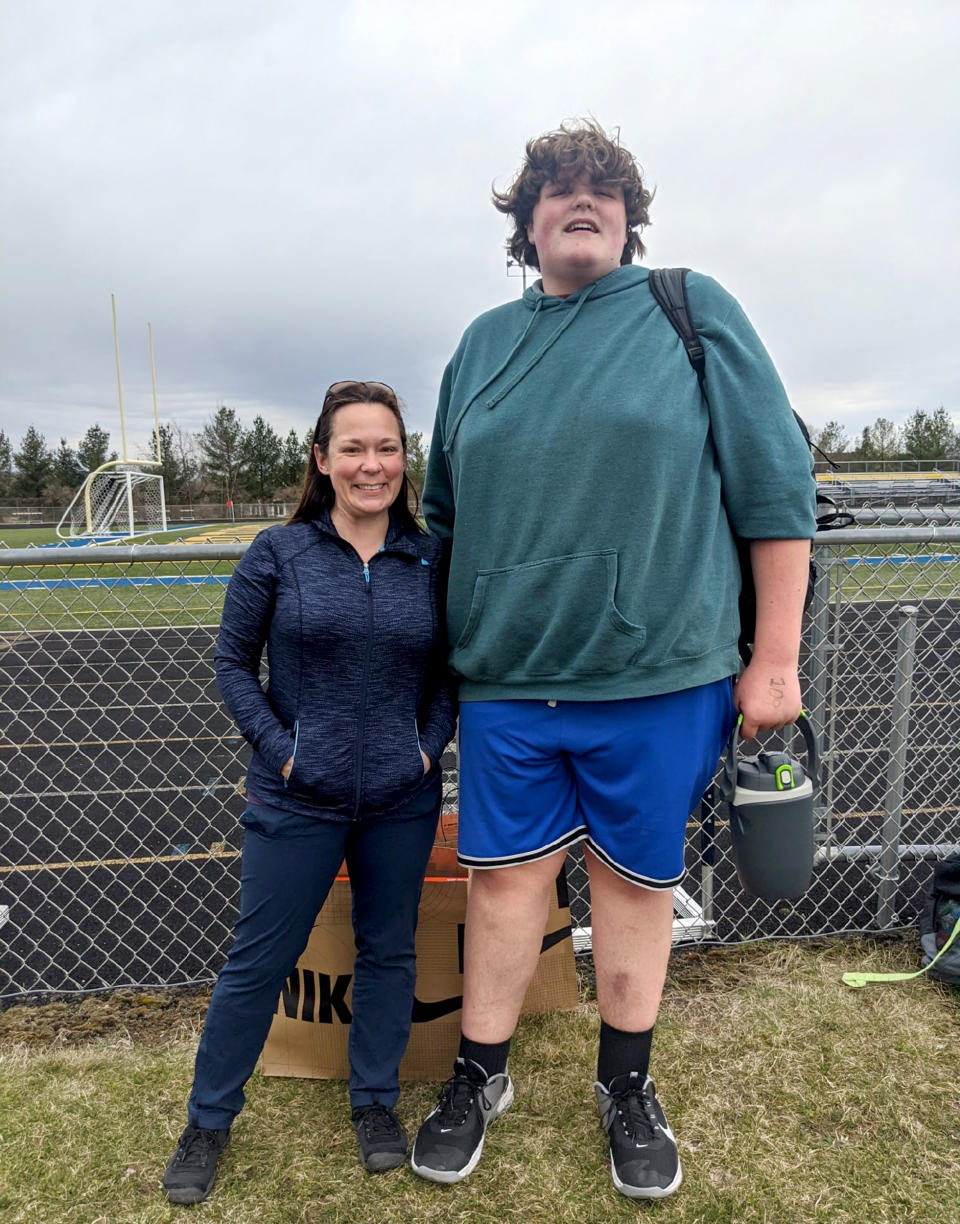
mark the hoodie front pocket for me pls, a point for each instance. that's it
(552, 619)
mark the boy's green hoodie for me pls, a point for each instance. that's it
(590, 491)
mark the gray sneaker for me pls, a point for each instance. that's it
(644, 1161)
(450, 1141)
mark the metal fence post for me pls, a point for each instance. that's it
(817, 634)
(708, 851)
(899, 734)
(816, 677)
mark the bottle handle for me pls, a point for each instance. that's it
(728, 783)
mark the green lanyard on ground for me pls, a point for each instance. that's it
(861, 979)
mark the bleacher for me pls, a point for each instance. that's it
(863, 488)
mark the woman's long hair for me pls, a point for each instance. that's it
(318, 495)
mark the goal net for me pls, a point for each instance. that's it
(118, 499)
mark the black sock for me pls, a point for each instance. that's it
(621, 1053)
(493, 1058)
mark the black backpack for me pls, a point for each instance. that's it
(940, 915)
(669, 289)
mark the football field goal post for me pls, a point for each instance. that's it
(120, 498)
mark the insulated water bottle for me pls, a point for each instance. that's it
(770, 797)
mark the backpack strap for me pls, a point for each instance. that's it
(669, 288)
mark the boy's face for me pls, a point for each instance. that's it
(579, 229)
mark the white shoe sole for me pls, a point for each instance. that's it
(447, 1177)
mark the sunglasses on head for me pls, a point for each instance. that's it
(337, 387)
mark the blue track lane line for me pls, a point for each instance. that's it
(902, 559)
(59, 584)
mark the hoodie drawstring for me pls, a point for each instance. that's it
(493, 377)
(544, 349)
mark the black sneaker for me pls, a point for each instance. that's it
(193, 1166)
(383, 1141)
(450, 1141)
(644, 1161)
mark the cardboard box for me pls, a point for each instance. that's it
(308, 1036)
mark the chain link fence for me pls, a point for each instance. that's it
(121, 774)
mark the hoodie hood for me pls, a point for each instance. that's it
(620, 279)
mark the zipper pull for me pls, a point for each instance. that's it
(366, 573)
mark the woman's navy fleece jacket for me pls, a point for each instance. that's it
(358, 679)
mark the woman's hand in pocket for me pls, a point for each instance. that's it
(427, 763)
(286, 769)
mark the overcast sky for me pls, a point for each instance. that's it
(295, 192)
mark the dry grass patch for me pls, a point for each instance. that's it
(795, 1099)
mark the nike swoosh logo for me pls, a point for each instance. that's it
(433, 1011)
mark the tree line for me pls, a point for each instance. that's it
(224, 461)
(922, 436)
(228, 461)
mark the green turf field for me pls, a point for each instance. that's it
(102, 608)
(862, 582)
(98, 608)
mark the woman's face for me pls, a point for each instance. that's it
(365, 460)
(579, 229)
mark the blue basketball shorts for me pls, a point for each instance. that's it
(622, 776)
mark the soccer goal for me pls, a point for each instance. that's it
(118, 499)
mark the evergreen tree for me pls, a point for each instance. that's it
(915, 439)
(33, 463)
(6, 464)
(93, 448)
(221, 450)
(943, 435)
(417, 460)
(293, 459)
(864, 449)
(169, 467)
(929, 436)
(262, 455)
(66, 469)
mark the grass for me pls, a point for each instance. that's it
(102, 608)
(24, 537)
(925, 580)
(795, 1099)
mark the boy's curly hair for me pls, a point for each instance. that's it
(575, 148)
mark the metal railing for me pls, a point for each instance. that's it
(121, 773)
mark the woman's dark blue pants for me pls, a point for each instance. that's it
(287, 867)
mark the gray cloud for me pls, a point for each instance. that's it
(300, 192)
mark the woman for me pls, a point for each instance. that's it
(346, 764)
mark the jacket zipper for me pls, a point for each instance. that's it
(363, 691)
